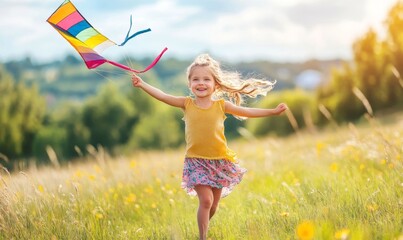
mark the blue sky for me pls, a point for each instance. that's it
(238, 30)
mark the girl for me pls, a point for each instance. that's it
(210, 168)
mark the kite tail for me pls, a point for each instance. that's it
(137, 71)
(155, 61)
(127, 38)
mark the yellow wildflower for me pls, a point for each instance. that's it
(130, 198)
(78, 173)
(319, 147)
(149, 190)
(158, 180)
(91, 177)
(284, 214)
(305, 230)
(342, 234)
(98, 213)
(372, 207)
(41, 188)
(97, 168)
(334, 167)
(133, 164)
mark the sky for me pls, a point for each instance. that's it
(237, 30)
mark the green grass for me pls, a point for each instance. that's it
(346, 180)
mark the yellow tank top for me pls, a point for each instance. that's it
(204, 131)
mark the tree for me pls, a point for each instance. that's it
(297, 101)
(64, 132)
(160, 129)
(156, 125)
(108, 117)
(375, 70)
(394, 44)
(338, 96)
(371, 69)
(21, 113)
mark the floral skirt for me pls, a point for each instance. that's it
(215, 173)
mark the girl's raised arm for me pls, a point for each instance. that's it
(158, 94)
(253, 112)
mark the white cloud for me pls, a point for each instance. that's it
(277, 30)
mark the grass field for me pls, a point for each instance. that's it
(339, 183)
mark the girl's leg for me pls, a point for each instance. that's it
(216, 199)
(205, 195)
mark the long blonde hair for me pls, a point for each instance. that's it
(231, 85)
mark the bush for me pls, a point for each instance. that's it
(297, 101)
(55, 137)
(158, 130)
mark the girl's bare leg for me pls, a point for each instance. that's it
(216, 199)
(206, 199)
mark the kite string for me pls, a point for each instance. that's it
(136, 71)
(111, 75)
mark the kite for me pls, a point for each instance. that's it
(86, 40)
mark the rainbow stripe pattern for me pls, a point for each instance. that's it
(86, 40)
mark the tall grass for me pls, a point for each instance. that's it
(344, 183)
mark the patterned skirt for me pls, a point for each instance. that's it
(215, 173)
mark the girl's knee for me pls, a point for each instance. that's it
(206, 202)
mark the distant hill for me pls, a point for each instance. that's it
(69, 79)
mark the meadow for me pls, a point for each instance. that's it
(342, 182)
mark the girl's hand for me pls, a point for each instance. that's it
(136, 80)
(280, 108)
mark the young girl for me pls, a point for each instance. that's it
(210, 168)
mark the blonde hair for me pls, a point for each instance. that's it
(231, 85)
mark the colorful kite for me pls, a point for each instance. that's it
(68, 21)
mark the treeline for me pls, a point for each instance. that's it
(372, 83)
(119, 118)
(116, 119)
(112, 119)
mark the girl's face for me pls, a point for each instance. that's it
(201, 82)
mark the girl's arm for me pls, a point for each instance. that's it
(253, 112)
(157, 93)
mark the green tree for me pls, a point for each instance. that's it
(375, 70)
(156, 125)
(52, 136)
(297, 101)
(160, 129)
(338, 97)
(21, 113)
(370, 69)
(394, 44)
(64, 132)
(109, 117)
